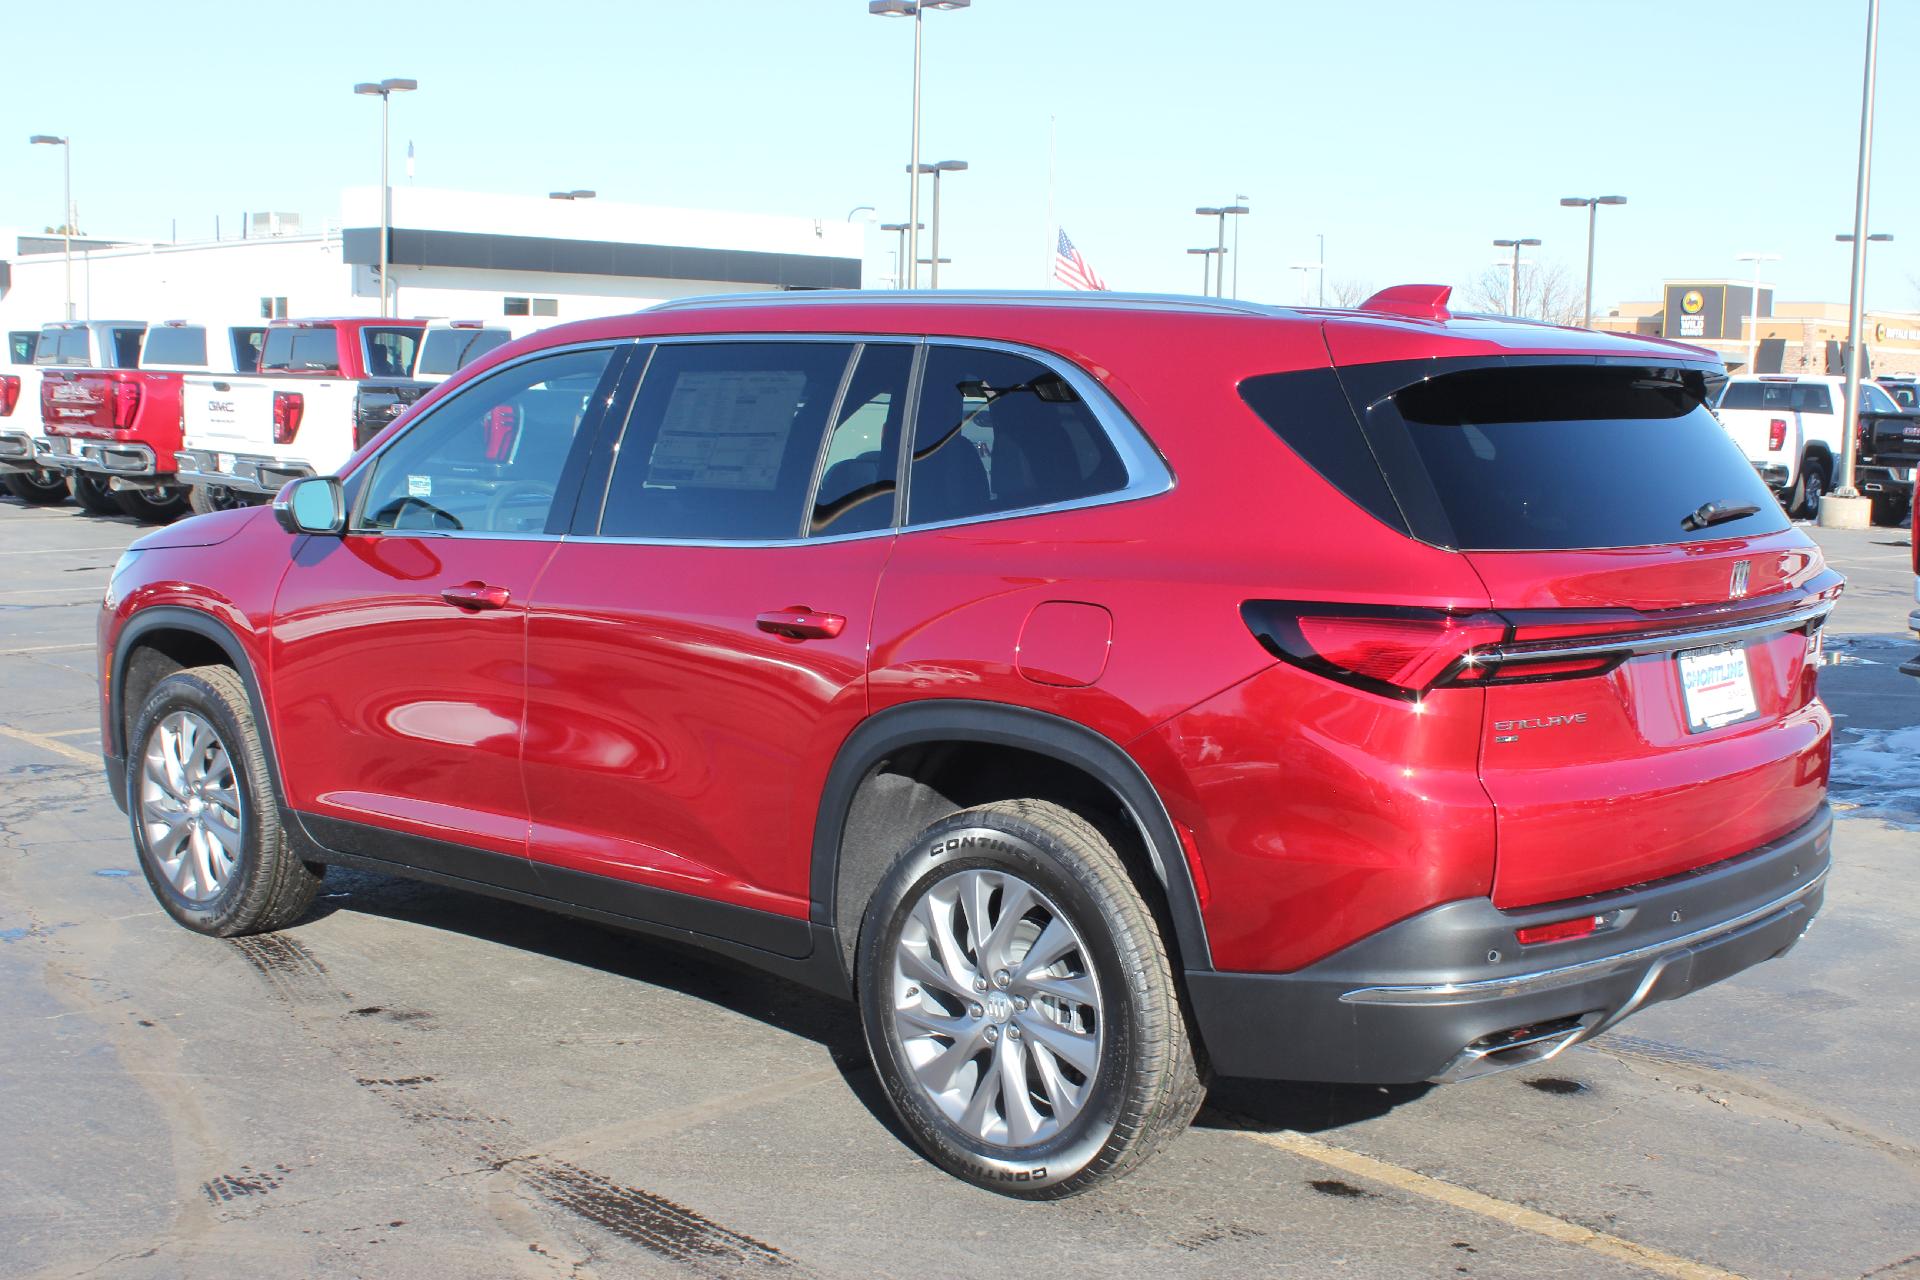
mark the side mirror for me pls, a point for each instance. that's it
(312, 504)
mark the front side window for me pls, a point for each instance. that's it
(488, 458)
(999, 432)
(722, 441)
(20, 345)
(390, 352)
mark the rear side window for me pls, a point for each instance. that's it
(1812, 397)
(1874, 400)
(126, 348)
(858, 475)
(314, 350)
(176, 344)
(999, 432)
(722, 441)
(1541, 457)
(390, 352)
(20, 345)
(447, 351)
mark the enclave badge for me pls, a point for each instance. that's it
(1738, 587)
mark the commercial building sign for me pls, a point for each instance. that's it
(1695, 311)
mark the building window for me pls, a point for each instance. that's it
(531, 306)
(273, 308)
(546, 306)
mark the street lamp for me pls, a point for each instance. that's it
(900, 254)
(66, 218)
(1319, 268)
(1206, 266)
(571, 195)
(385, 89)
(1221, 212)
(1753, 306)
(1856, 294)
(915, 9)
(1592, 205)
(1513, 272)
(936, 169)
(1239, 200)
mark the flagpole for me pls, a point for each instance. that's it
(1053, 227)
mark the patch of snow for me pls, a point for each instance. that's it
(1878, 772)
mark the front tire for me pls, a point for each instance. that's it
(41, 488)
(91, 492)
(1020, 1005)
(205, 819)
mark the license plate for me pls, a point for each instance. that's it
(1716, 687)
(223, 462)
(60, 445)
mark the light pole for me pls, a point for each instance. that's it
(1854, 326)
(1513, 272)
(1206, 267)
(1856, 293)
(915, 9)
(936, 169)
(385, 89)
(859, 208)
(1592, 205)
(1753, 305)
(571, 195)
(900, 255)
(1241, 202)
(66, 216)
(1221, 212)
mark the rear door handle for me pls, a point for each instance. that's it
(476, 595)
(797, 623)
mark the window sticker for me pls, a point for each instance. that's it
(726, 430)
(419, 486)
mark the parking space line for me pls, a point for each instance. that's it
(49, 745)
(73, 733)
(1502, 1211)
(45, 648)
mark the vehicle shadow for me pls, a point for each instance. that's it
(703, 975)
(1269, 1106)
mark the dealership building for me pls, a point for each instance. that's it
(452, 253)
(1742, 324)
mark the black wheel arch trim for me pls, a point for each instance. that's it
(1002, 724)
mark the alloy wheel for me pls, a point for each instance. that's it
(190, 806)
(997, 1007)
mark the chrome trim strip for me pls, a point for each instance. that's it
(1525, 984)
(1660, 642)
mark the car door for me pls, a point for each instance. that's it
(398, 649)
(698, 651)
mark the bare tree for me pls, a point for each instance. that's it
(1349, 292)
(1546, 293)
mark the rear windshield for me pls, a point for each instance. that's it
(314, 350)
(447, 351)
(1904, 394)
(1540, 457)
(1780, 397)
(390, 351)
(64, 347)
(176, 344)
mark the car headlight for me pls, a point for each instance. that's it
(120, 566)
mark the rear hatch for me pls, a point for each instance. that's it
(1649, 707)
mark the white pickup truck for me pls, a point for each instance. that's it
(24, 469)
(1789, 427)
(246, 436)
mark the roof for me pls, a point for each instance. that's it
(1098, 301)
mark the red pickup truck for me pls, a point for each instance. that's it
(117, 430)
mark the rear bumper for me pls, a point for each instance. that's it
(1449, 994)
(244, 472)
(1887, 481)
(1774, 473)
(109, 458)
(23, 451)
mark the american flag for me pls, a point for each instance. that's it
(1070, 269)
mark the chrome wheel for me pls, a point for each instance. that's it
(997, 1007)
(190, 806)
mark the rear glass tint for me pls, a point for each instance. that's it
(315, 350)
(447, 351)
(1543, 457)
(176, 344)
(63, 347)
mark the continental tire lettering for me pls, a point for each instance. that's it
(1036, 1174)
(958, 843)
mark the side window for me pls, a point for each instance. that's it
(722, 440)
(1874, 400)
(1811, 397)
(20, 346)
(487, 459)
(858, 474)
(390, 351)
(1000, 432)
(246, 348)
(126, 348)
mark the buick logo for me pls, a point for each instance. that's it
(1738, 586)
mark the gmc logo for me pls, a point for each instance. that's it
(219, 406)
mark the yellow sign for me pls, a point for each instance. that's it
(1880, 333)
(1692, 302)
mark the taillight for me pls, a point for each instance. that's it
(126, 403)
(288, 406)
(9, 393)
(1400, 652)
(1559, 930)
(1777, 435)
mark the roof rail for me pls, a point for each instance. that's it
(1010, 297)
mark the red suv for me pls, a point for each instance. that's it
(1103, 690)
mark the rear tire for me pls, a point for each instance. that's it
(1892, 511)
(206, 822)
(41, 488)
(1807, 490)
(207, 498)
(153, 506)
(1049, 1055)
(91, 492)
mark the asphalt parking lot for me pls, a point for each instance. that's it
(415, 1082)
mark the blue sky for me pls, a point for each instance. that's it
(1410, 134)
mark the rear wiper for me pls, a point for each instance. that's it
(1709, 514)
